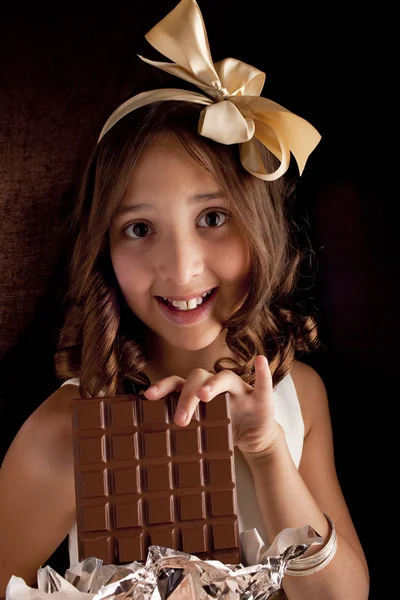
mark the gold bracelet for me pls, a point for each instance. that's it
(300, 567)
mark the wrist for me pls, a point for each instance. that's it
(275, 445)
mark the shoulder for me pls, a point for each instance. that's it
(47, 433)
(37, 493)
(304, 375)
(312, 394)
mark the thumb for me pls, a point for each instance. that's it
(263, 377)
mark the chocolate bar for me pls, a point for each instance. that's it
(141, 480)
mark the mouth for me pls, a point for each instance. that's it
(183, 305)
(187, 312)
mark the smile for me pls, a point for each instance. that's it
(187, 312)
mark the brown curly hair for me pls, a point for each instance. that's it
(101, 341)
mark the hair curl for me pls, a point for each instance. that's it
(101, 341)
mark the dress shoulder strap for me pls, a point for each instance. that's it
(288, 414)
(73, 381)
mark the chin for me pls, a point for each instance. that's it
(190, 342)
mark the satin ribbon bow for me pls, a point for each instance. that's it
(234, 112)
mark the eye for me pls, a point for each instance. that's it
(138, 230)
(213, 218)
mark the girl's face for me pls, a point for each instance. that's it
(181, 260)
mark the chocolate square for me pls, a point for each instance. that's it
(192, 507)
(128, 514)
(190, 474)
(123, 447)
(224, 536)
(91, 449)
(158, 478)
(220, 471)
(122, 414)
(129, 549)
(155, 444)
(94, 484)
(163, 537)
(97, 547)
(194, 539)
(126, 481)
(94, 518)
(187, 441)
(222, 503)
(160, 510)
(154, 412)
(89, 416)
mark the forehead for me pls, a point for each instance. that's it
(165, 164)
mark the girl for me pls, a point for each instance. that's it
(182, 279)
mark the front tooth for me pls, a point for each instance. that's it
(181, 304)
(192, 303)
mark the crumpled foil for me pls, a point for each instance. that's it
(172, 575)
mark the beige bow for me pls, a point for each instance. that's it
(235, 113)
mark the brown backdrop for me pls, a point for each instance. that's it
(60, 77)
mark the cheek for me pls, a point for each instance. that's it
(234, 262)
(129, 271)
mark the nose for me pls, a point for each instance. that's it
(180, 258)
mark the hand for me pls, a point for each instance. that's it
(252, 409)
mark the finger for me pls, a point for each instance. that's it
(164, 386)
(263, 377)
(224, 381)
(188, 400)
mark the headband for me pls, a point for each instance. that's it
(234, 112)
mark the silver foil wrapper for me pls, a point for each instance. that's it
(172, 575)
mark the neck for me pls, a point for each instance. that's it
(167, 360)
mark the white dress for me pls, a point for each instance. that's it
(288, 414)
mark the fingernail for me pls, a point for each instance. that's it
(181, 414)
(206, 388)
(152, 388)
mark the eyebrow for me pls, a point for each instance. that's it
(132, 208)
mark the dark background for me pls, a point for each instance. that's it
(61, 77)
